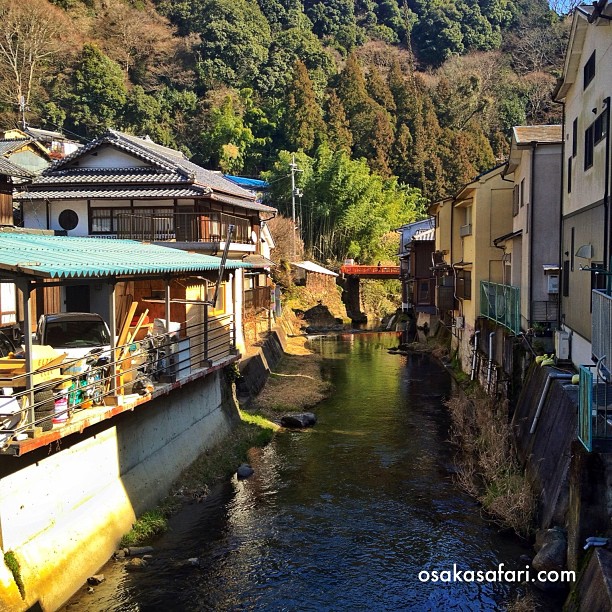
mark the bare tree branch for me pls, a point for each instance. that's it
(31, 32)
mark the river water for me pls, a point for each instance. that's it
(340, 517)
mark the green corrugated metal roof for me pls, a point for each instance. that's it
(70, 257)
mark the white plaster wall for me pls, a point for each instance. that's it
(111, 157)
(580, 348)
(79, 207)
(35, 215)
(63, 515)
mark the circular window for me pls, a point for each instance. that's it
(68, 219)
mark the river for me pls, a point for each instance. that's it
(340, 517)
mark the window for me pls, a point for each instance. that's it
(522, 197)
(589, 70)
(588, 146)
(569, 175)
(565, 278)
(515, 201)
(463, 288)
(101, 221)
(600, 127)
(575, 137)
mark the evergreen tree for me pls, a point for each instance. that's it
(352, 89)
(97, 98)
(401, 154)
(338, 130)
(304, 124)
(379, 90)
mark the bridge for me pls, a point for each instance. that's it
(376, 272)
(350, 275)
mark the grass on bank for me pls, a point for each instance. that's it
(296, 384)
(488, 466)
(213, 466)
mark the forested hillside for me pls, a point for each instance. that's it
(386, 103)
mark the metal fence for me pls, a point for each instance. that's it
(134, 369)
(502, 304)
(601, 326)
(594, 406)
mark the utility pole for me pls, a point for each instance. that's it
(294, 192)
(22, 108)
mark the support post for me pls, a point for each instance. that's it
(25, 288)
(112, 309)
(206, 359)
(167, 303)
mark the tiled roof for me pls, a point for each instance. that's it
(238, 202)
(7, 168)
(157, 155)
(524, 134)
(8, 146)
(189, 191)
(69, 257)
(112, 176)
(168, 174)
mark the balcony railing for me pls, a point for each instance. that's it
(70, 393)
(181, 227)
(594, 406)
(258, 297)
(601, 326)
(502, 304)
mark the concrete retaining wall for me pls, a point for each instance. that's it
(546, 453)
(594, 589)
(256, 368)
(63, 510)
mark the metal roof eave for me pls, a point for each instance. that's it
(63, 257)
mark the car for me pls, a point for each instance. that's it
(74, 333)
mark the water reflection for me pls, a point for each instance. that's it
(341, 517)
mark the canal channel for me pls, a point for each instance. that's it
(344, 516)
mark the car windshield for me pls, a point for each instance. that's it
(71, 334)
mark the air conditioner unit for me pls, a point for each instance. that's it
(459, 322)
(562, 345)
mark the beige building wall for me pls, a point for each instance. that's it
(487, 204)
(583, 205)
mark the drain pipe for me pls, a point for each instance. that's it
(474, 355)
(551, 376)
(490, 364)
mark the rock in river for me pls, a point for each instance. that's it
(244, 471)
(300, 421)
